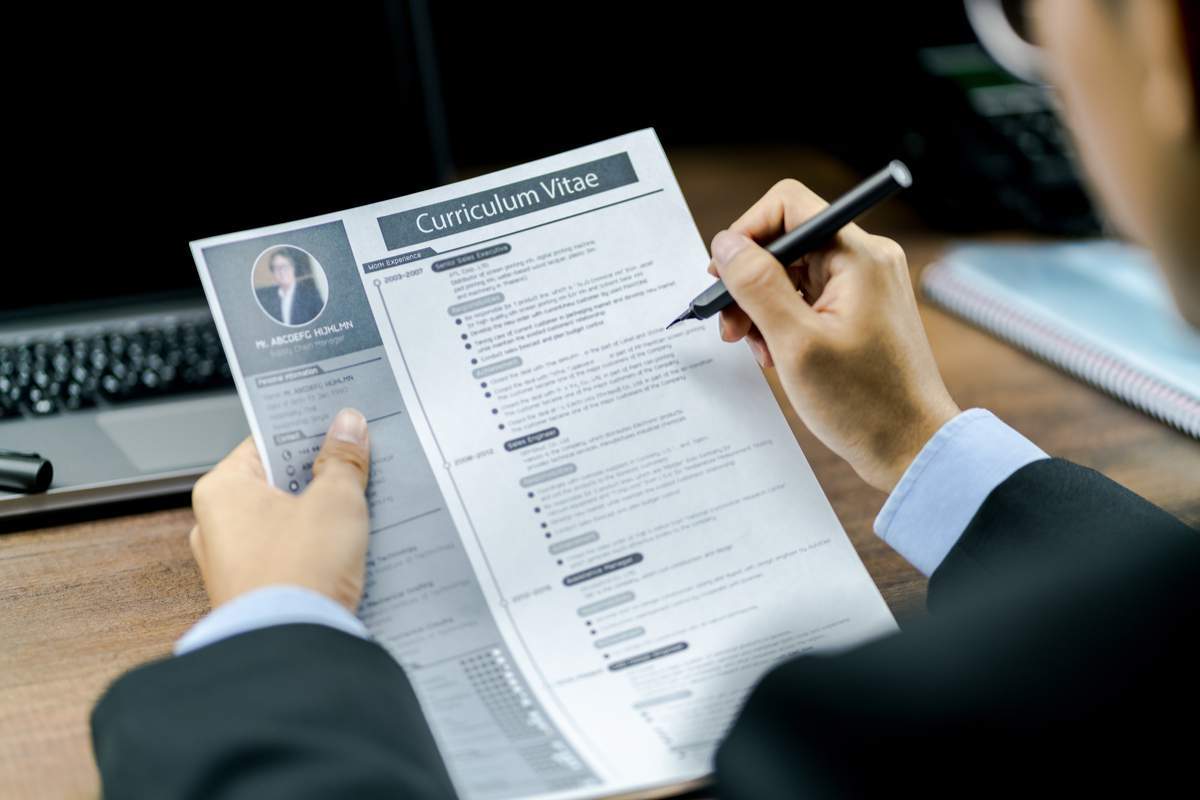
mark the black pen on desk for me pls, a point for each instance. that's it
(24, 472)
(813, 233)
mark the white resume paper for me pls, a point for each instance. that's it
(590, 536)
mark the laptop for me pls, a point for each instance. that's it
(110, 366)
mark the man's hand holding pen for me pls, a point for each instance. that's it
(848, 347)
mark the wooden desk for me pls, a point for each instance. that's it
(82, 603)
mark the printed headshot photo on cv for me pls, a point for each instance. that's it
(289, 285)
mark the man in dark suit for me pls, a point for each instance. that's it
(294, 299)
(1056, 656)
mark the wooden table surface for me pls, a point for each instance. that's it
(81, 603)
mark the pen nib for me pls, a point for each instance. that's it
(685, 315)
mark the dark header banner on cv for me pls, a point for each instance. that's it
(433, 221)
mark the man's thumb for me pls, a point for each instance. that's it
(758, 282)
(346, 453)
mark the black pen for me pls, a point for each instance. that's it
(24, 472)
(811, 234)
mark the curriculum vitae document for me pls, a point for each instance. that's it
(590, 536)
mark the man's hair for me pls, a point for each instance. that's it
(298, 257)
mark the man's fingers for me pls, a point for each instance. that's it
(761, 351)
(196, 543)
(759, 284)
(734, 323)
(786, 205)
(243, 459)
(345, 456)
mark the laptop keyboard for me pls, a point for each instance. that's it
(49, 376)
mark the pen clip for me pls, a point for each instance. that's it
(15, 454)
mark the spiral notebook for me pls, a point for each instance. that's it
(1099, 310)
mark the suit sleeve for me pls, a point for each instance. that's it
(1056, 661)
(1050, 510)
(295, 711)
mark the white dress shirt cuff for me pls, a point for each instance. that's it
(263, 608)
(946, 484)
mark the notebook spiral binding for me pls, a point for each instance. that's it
(1041, 338)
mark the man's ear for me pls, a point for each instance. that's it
(1168, 89)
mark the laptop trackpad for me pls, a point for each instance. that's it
(178, 434)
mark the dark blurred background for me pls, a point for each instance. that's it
(137, 130)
